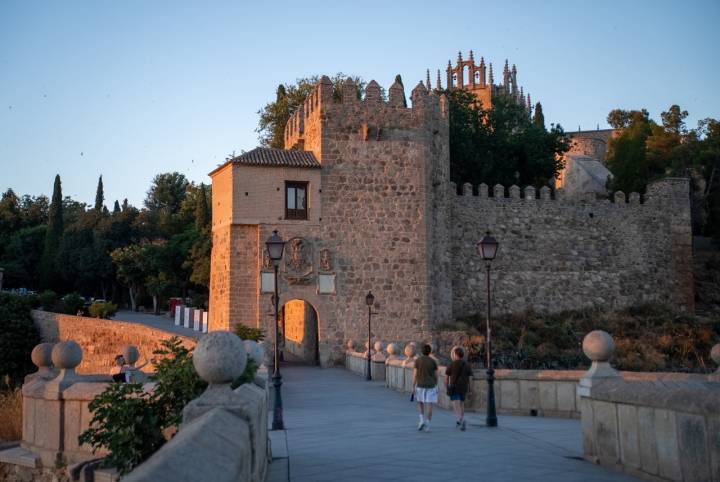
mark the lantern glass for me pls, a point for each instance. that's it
(487, 247)
(369, 299)
(275, 246)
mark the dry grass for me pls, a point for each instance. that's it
(11, 415)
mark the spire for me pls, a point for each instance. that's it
(472, 59)
(482, 61)
(522, 97)
(529, 105)
(491, 79)
(513, 81)
(438, 86)
(427, 80)
(459, 57)
(506, 77)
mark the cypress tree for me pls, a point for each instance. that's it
(52, 236)
(116, 208)
(99, 196)
(125, 204)
(539, 118)
(398, 79)
(201, 209)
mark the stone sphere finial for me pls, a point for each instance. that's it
(220, 357)
(131, 354)
(393, 349)
(350, 345)
(598, 346)
(67, 355)
(410, 349)
(41, 355)
(378, 346)
(715, 355)
(254, 351)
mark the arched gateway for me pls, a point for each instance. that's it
(300, 332)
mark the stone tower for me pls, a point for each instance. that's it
(361, 197)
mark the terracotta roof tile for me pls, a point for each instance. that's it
(264, 156)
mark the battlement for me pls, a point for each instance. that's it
(370, 116)
(659, 192)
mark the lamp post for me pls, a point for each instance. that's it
(487, 248)
(275, 246)
(369, 300)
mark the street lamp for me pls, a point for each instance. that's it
(369, 300)
(275, 246)
(487, 249)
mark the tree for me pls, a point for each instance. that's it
(619, 119)
(627, 157)
(116, 207)
(288, 98)
(99, 196)
(398, 79)
(538, 117)
(201, 209)
(674, 119)
(131, 269)
(502, 144)
(52, 237)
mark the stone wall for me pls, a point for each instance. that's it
(559, 254)
(101, 340)
(657, 431)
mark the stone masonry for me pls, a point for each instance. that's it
(381, 215)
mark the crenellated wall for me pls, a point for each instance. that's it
(558, 254)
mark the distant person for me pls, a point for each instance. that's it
(425, 386)
(457, 380)
(119, 371)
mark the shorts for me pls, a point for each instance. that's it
(426, 395)
(458, 396)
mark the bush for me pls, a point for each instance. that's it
(248, 333)
(18, 336)
(647, 338)
(47, 299)
(126, 423)
(102, 309)
(71, 304)
(248, 375)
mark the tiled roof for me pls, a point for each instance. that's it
(264, 156)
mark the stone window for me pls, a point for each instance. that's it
(296, 200)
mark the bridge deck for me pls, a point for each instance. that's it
(340, 427)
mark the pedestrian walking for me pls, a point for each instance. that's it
(425, 376)
(457, 381)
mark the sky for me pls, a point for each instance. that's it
(129, 89)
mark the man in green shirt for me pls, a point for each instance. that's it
(425, 376)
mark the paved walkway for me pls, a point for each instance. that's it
(341, 427)
(159, 322)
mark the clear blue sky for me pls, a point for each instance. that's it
(129, 89)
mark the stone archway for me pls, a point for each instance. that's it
(300, 332)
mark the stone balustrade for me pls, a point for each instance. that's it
(545, 393)
(195, 319)
(653, 429)
(55, 413)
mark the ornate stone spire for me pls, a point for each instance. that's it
(491, 79)
(427, 80)
(472, 59)
(438, 86)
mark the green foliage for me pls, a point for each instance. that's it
(71, 304)
(47, 299)
(18, 336)
(502, 144)
(288, 98)
(177, 381)
(99, 196)
(102, 309)
(126, 423)
(248, 375)
(49, 277)
(648, 338)
(249, 333)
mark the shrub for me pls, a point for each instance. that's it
(102, 309)
(71, 304)
(47, 300)
(126, 423)
(177, 381)
(248, 333)
(18, 336)
(11, 415)
(647, 338)
(248, 375)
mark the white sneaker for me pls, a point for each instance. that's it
(421, 425)
(426, 427)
